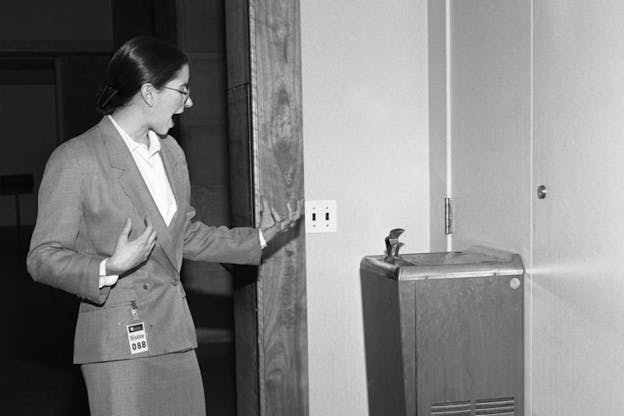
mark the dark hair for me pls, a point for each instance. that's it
(138, 61)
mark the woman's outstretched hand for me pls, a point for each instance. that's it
(130, 253)
(272, 223)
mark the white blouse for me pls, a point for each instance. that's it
(152, 170)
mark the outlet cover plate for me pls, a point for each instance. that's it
(321, 216)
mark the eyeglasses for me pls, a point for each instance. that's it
(186, 93)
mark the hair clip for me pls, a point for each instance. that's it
(106, 94)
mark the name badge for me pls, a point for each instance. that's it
(137, 337)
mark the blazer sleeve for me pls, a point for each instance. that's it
(220, 244)
(208, 243)
(53, 258)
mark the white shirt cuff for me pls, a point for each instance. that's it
(106, 280)
(263, 242)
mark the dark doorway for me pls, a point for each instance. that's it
(49, 76)
(38, 377)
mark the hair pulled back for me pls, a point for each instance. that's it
(139, 61)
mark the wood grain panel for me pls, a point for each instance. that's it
(276, 93)
(274, 129)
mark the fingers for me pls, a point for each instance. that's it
(284, 223)
(147, 240)
(301, 207)
(127, 227)
(149, 228)
(298, 211)
(266, 217)
(130, 253)
(289, 222)
(149, 235)
(125, 232)
(290, 210)
(293, 216)
(265, 205)
(270, 217)
(151, 241)
(148, 249)
(275, 214)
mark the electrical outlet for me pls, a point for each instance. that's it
(321, 217)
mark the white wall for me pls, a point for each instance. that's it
(365, 114)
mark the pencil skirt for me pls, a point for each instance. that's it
(167, 385)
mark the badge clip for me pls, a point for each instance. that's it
(133, 310)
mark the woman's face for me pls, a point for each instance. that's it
(172, 98)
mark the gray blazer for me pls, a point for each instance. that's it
(90, 186)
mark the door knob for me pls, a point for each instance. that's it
(541, 192)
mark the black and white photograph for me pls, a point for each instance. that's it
(312, 208)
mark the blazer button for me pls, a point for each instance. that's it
(174, 283)
(146, 286)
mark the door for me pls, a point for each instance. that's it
(490, 123)
(578, 253)
(490, 132)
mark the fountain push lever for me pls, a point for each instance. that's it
(393, 244)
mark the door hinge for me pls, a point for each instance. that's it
(448, 216)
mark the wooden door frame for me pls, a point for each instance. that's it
(266, 150)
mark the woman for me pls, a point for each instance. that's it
(113, 225)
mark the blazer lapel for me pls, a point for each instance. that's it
(135, 188)
(176, 181)
(171, 169)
